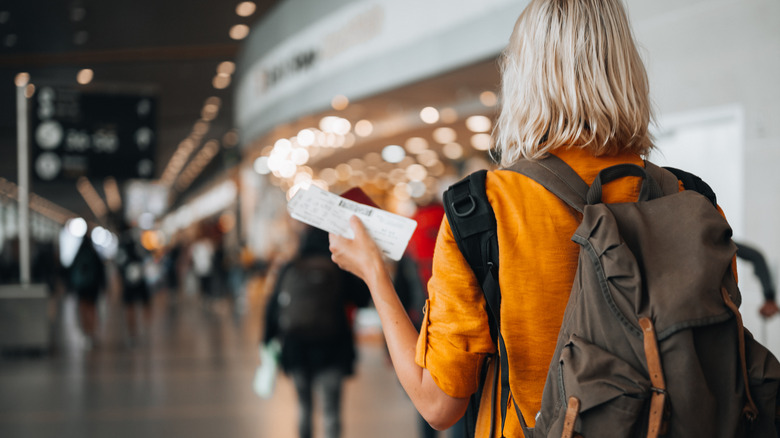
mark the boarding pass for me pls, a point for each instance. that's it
(330, 212)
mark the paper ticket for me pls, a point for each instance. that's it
(330, 212)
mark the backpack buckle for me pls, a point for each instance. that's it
(470, 208)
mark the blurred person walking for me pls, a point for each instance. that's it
(309, 313)
(135, 290)
(87, 279)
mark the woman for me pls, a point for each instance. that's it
(573, 85)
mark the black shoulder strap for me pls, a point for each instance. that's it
(473, 225)
(693, 182)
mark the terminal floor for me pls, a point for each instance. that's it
(190, 376)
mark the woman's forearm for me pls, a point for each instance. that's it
(362, 258)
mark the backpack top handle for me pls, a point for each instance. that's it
(650, 189)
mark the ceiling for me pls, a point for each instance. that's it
(169, 48)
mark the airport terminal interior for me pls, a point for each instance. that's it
(170, 136)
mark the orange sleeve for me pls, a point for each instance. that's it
(454, 336)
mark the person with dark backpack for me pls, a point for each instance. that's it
(309, 313)
(603, 302)
(87, 279)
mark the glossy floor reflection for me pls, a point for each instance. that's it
(190, 376)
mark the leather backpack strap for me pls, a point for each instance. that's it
(557, 177)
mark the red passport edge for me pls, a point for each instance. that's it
(357, 194)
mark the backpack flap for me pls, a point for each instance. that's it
(665, 259)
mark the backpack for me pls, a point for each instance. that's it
(84, 273)
(311, 299)
(652, 341)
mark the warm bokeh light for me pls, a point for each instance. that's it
(339, 102)
(226, 68)
(428, 158)
(221, 81)
(488, 98)
(448, 115)
(230, 139)
(239, 31)
(306, 137)
(416, 172)
(22, 79)
(415, 145)
(444, 135)
(393, 153)
(245, 9)
(364, 128)
(299, 156)
(453, 151)
(478, 124)
(429, 115)
(29, 90)
(480, 142)
(85, 76)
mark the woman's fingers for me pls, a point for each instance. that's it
(354, 255)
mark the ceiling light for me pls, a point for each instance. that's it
(287, 169)
(220, 81)
(428, 158)
(453, 151)
(342, 127)
(449, 115)
(22, 79)
(478, 124)
(85, 76)
(306, 137)
(299, 156)
(77, 227)
(481, 142)
(429, 115)
(226, 68)
(488, 98)
(364, 128)
(245, 9)
(393, 153)
(415, 145)
(444, 135)
(344, 171)
(416, 172)
(339, 102)
(239, 31)
(261, 166)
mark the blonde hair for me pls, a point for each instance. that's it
(572, 77)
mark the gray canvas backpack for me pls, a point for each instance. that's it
(652, 342)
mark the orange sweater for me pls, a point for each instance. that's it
(537, 264)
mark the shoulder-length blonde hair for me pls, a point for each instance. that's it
(572, 77)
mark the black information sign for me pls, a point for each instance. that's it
(96, 135)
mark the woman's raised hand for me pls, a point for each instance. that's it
(360, 255)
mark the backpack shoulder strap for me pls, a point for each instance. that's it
(693, 182)
(473, 225)
(557, 177)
